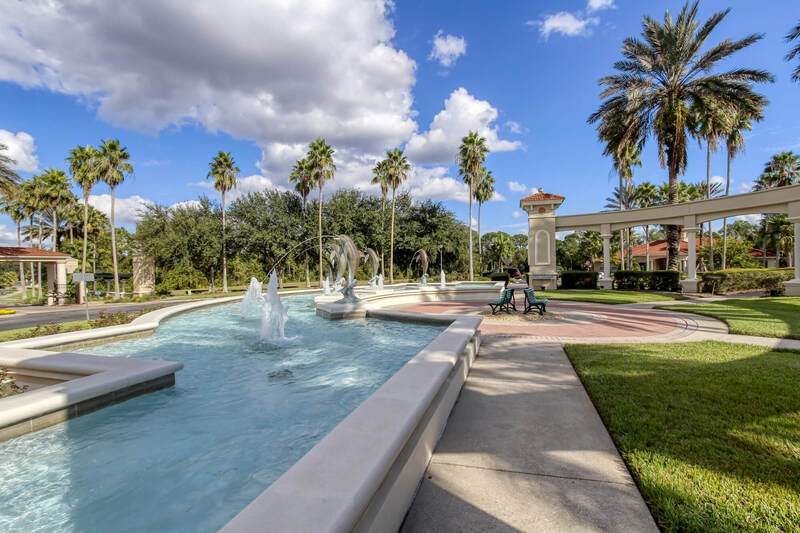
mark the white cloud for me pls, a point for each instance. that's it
(277, 73)
(717, 179)
(513, 126)
(474, 222)
(126, 210)
(21, 149)
(517, 214)
(247, 184)
(515, 186)
(597, 5)
(186, 204)
(8, 237)
(447, 49)
(753, 219)
(462, 113)
(565, 23)
(746, 186)
(436, 184)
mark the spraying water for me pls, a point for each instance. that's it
(442, 280)
(253, 298)
(380, 282)
(274, 314)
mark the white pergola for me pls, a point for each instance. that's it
(542, 222)
(57, 265)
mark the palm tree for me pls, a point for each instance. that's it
(625, 197)
(55, 186)
(501, 248)
(96, 222)
(397, 168)
(83, 164)
(624, 160)
(484, 190)
(471, 156)
(734, 143)
(114, 163)
(223, 170)
(9, 180)
(782, 170)
(647, 194)
(302, 176)
(794, 34)
(320, 156)
(12, 205)
(657, 83)
(381, 177)
(38, 199)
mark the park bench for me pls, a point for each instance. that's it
(531, 302)
(505, 303)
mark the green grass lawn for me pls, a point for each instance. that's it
(711, 431)
(765, 317)
(608, 296)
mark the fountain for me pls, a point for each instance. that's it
(349, 256)
(252, 298)
(374, 260)
(326, 286)
(274, 314)
(380, 282)
(442, 280)
(421, 257)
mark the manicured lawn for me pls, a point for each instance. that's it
(711, 431)
(105, 319)
(765, 317)
(608, 296)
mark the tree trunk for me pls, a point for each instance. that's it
(114, 248)
(480, 247)
(30, 242)
(319, 228)
(55, 230)
(708, 195)
(224, 255)
(469, 225)
(673, 231)
(21, 266)
(391, 241)
(647, 247)
(305, 254)
(94, 263)
(383, 235)
(39, 264)
(85, 230)
(725, 220)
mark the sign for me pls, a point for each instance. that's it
(78, 277)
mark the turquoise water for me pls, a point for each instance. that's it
(190, 457)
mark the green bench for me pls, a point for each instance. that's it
(531, 302)
(505, 303)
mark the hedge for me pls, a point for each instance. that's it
(499, 276)
(746, 279)
(651, 280)
(579, 279)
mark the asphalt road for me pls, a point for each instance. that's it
(27, 317)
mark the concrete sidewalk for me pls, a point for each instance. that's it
(525, 450)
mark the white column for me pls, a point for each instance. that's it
(691, 262)
(796, 256)
(50, 269)
(61, 282)
(606, 256)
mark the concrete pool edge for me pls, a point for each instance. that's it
(363, 475)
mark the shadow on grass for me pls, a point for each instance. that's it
(710, 430)
(766, 317)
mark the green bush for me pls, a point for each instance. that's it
(8, 278)
(499, 276)
(652, 280)
(579, 279)
(746, 279)
(182, 277)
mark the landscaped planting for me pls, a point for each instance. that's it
(650, 280)
(709, 430)
(746, 279)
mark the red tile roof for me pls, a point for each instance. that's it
(13, 251)
(659, 249)
(542, 196)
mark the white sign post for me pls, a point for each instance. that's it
(85, 278)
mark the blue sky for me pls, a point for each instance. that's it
(175, 87)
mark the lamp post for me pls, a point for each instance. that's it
(441, 257)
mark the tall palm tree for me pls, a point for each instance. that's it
(320, 156)
(96, 222)
(114, 162)
(12, 205)
(782, 170)
(484, 190)
(9, 180)
(397, 169)
(28, 198)
(625, 159)
(38, 199)
(794, 34)
(657, 83)
(55, 186)
(625, 197)
(734, 143)
(647, 194)
(471, 156)
(302, 176)
(223, 170)
(380, 177)
(83, 164)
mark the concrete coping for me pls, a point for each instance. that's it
(333, 487)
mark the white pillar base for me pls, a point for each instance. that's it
(605, 284)
(690, 285)
(792, 287)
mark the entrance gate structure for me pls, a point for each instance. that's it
(543, 224)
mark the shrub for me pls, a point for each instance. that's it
(746, 279)
(499, 276)
(652, 280)
(8, 278)
(182, 277)
(579, 279)
(7, 385)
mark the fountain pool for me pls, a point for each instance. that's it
(189, 458)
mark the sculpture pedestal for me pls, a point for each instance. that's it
(605, 284)
(792, 287)
(690, 285)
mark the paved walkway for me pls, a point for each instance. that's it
(525, 450)
(30, 316)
